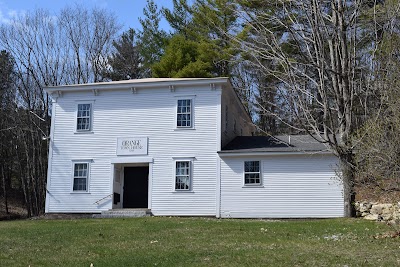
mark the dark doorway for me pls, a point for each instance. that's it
(136, 182)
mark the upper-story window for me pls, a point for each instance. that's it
(84, 117)
(184, 118)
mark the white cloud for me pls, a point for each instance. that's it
(3, 19)
(6, 14)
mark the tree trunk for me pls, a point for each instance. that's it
(348, 172)
(4, 189)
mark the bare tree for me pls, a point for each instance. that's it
(48, 50)
(324, 58)
(90, 35)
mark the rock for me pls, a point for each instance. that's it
(376, 209)
(387, 206)
(387, 216)
(372, 217)
(396, 215)
(365, 207)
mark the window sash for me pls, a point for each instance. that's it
(81, 173)
(182, 175)
(184, 113)
(83, 117)
(252, 173)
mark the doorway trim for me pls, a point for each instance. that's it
(121, 162)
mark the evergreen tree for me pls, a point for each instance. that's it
(151, 40)
(183, 58)
(126, 62)
(212, 19)
(180, 17)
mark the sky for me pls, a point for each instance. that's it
(126, 11)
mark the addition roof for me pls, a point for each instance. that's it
(279, 143)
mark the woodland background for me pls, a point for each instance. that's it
(326, 68)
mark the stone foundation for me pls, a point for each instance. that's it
(378, 211)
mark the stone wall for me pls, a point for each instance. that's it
(378, 211)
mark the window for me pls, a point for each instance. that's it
(184, 113)
(252, 173)
(81, 175)
(182, 175)
(234, 126)
(83, 117)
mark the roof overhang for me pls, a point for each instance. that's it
(138, 84)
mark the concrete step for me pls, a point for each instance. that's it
(123, 213)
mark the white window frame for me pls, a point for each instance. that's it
(75, 162)
(190, 161)
(192, 112)
(259, 174)
(83, 102)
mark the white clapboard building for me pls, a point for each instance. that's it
(179, 147)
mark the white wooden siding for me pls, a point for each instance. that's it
(294, 186)
(149, 112)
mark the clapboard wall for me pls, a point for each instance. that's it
(293, 186)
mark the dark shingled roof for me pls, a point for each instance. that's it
(280, 143)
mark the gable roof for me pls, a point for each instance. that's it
(270, 144)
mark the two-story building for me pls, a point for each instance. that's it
(179, 147)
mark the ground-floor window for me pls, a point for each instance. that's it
(182, 175)
(81, 177)
(252, 173)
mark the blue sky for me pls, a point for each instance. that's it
(127, 11)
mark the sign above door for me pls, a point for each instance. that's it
(132, 146)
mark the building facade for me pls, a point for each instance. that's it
(159, 144)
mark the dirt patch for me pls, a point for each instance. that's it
(63, 216)
(16, 209)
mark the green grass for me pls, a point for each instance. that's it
(157, 241)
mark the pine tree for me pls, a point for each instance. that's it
(183, 58)
(151, 40)
(126, 62)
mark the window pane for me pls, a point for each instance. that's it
(252, 166)
(79, 184)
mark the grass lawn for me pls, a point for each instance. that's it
(157, 241)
